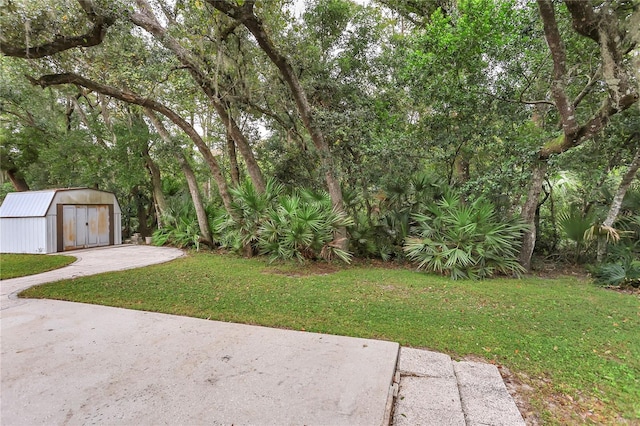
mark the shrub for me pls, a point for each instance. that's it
(382, 231)
(302, 227)
(575, 225)
(182, 233)
(299, 226)
(180, 225)
(622, 267)
(464, 240)
(240, 232)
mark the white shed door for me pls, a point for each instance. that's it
(97, 226)
(85, 226)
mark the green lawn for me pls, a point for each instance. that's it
(20, 265)
(576, 345)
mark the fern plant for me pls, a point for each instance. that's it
(465, 240)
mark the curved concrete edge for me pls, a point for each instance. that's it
(91, 262)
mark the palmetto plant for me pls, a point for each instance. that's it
(464, 240)
(576, 225)
(180, 225)
(302, 226)
(384, 234)
(622, 266)
(250, 210)
(281, 226)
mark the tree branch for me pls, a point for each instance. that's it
(61, 43)
(145, 19)
(531, 80)
(556, 46)
(597, 122)
(133, 98)
(586, 89)
(28, 120)
(519, 101)
(621, 94)
(585, 19)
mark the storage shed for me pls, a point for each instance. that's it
(57, 220)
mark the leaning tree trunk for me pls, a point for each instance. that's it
(18, 182)
(203, 221)
(147, 20)
(159, 202)
(194, 191)
(12, 171)
(627, 179)
(233, 161)
(529, 213)
(133, 98)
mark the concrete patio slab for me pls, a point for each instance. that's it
(485, 398)
(70, 363)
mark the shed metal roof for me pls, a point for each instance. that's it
(27, 204)
(35, 203)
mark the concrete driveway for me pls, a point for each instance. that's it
(72, 363)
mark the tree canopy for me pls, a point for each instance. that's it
(364, 101)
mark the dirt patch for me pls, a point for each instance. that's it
(549, 269)
(378, 263)
(305, 270)
(535, 395)
(521, 394)
(634, 291)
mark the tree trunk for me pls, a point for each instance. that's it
(246, 15)
(133, 98)
(529, 213)
(626, 182)
(602, 28)
(159, 202)
(19, 184)
(552, 211)
(203, 221)
(233, 161)
(141, 212)
(461, 169)
(194, 191)
(253, 169)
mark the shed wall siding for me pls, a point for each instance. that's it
(23, 235)
(52, 237)
(117, 230)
